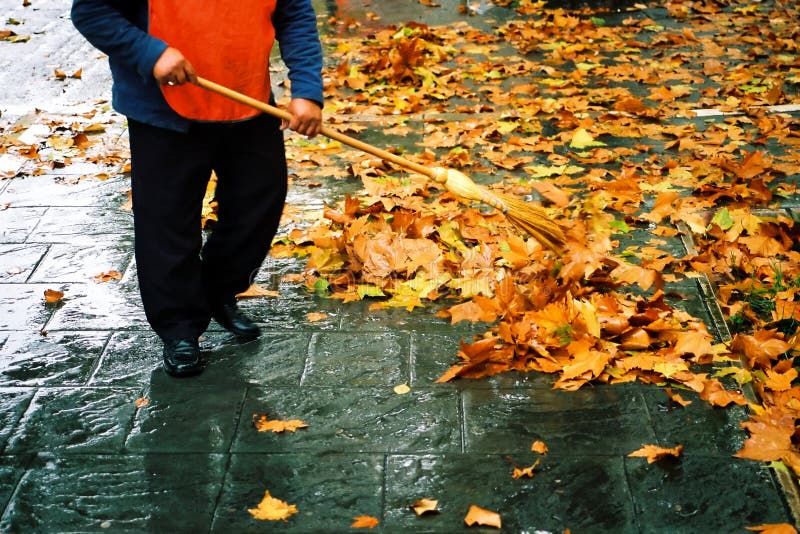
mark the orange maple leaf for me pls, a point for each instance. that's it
(481, 516)
(52, 296)
(653, 453)
(425, 506)
(676, 397)
(539, 446)
(773, 528)
(263, 424)
(365, 521)
(777, 381)
(107, 276)
(770, 437)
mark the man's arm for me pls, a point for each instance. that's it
(296, 32)
(105, 26)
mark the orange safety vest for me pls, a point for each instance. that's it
(226, 42)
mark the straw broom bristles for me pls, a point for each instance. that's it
(525, 216)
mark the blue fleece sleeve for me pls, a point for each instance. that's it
(104, 25)
(296, 32)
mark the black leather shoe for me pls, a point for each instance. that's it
(231, 318)
(182, 357)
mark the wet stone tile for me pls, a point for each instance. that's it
(75, 421)
(115, 493)
(583, 494)
(16, 224)
(11, 471)
(81, 225)
(134, 358)
(106, 306)
(185, 418)
(15, 402)
(329, 490)
(599, 420)
(368, 420)
(432, 354)
(703, 494)
(357, 359)
(55, 190)
(274, 358)
(290, 312)
(128, 360)
(80, 263)
(22, 306)
(702, 429)
(358, 316)
(17, 262)
(59, 358)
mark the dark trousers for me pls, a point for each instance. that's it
(180, 278)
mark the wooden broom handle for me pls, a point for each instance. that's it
(326, 131)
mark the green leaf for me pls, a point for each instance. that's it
(370, 290)
(587, 66)
(597, 21)
(752, 88)
(621, 227)
(723, 219)
(321, 286)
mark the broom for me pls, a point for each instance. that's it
(526, 217)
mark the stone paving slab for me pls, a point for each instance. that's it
(78, 455)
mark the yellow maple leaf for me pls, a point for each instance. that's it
(272, 509)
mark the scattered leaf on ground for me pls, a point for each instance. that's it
(483, 517)
(653, 453)
(425, 506)
(365, 521)
(263, 424)
(272, 509)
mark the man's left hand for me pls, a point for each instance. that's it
(306, 117)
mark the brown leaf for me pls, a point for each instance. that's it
(654, 453)
(272, 509)
(480, 516)
(365, 521)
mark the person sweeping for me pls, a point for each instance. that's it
(180, 133)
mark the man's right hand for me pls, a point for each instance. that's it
(173, 69)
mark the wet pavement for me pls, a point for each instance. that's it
(79, 452)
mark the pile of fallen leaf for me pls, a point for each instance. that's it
(582, 134)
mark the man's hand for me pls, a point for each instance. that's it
(306, 117)
(173, 69)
